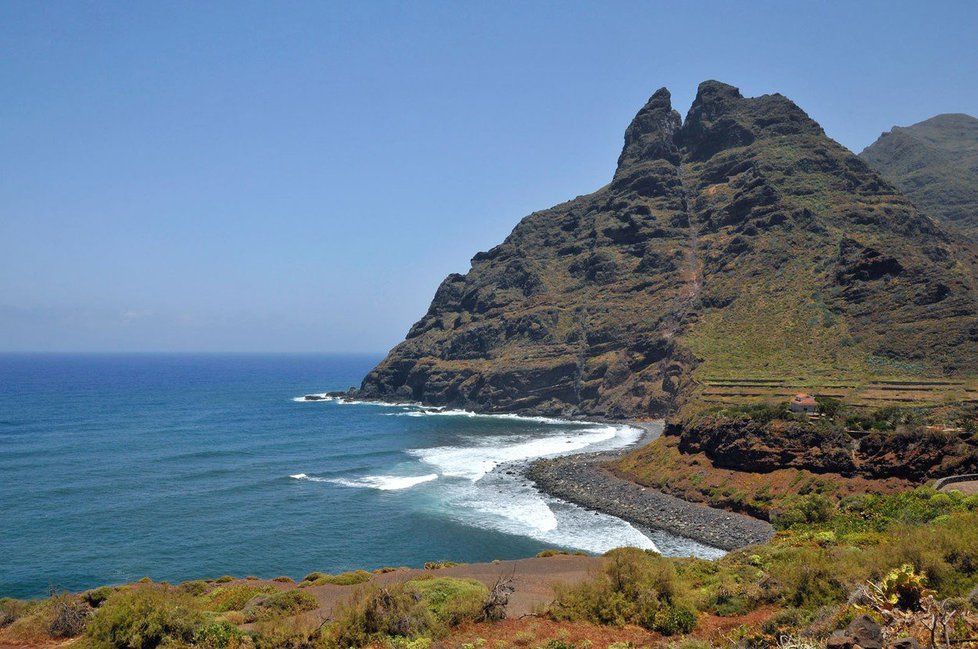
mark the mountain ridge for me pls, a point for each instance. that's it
(715, 231)
(935, 162)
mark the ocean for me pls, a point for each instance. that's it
(186, 466)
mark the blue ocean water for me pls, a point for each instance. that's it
(115, 467)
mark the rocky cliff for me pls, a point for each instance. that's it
(935, 162)
(741, 241)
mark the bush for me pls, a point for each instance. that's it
(674, 619)
(11, 610)
(217, 635)
(69, 615)
(808, 578)
(351, 578)
(806, 510)
(142, 618)
(375, 613)
(195, 588)
(437, 565)
(284, 580)
(234, 597)
(415, 610)
(225, 579)
(632, 589)
(283, 602)
(451, 600)
(286, 633)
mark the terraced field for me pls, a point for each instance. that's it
(871, 394)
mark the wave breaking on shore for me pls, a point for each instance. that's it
(479, 480)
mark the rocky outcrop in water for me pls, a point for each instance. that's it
(741, 241)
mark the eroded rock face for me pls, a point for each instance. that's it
(750, 445)
(605, 304)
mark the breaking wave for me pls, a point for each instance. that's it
(381, 482)
(476, 479)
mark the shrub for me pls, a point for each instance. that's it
(436, 565)
(69, 615)
(11, 610)
(904, 588)
(674, 619)
(142, 618)
(234, 597)
(805, 510)
(451, 600)
(225, 579)
(283, 602)
(195, 588)
(284, 580)
(633, 588)
(376, 613)
(806, 577)
(350, 578)
(286, 633)
(217, 635)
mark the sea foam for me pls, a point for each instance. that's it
(382, 482)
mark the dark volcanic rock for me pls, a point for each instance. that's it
(729, 227)
(583, 479)
(747, 444)
(751, 445)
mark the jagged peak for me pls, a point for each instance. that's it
(651, 134)
(721, 118)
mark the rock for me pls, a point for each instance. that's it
(840, 640)
(866, 632)
(741, 220)
(904, 643)
(581, 479)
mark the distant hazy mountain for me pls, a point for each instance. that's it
(935, 163)
(739, 242)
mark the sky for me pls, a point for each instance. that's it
(300, 176)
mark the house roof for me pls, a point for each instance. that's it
(804, 399)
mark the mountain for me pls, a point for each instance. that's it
(935, 163)
(741, 242)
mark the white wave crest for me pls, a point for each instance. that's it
(432, 411)
(303, 476)
(382, 482)
(506, 504)
(474, 462)
(386, 482)
(319, 397)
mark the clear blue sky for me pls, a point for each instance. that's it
(249, 176)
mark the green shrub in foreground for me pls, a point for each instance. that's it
(452, 601)
(143, 618)
(234, 597)
(636, 587)
(351, 578)
(283, 602)
(417, 610)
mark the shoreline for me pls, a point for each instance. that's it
(581, 479)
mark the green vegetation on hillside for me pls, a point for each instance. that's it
(935, 162)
